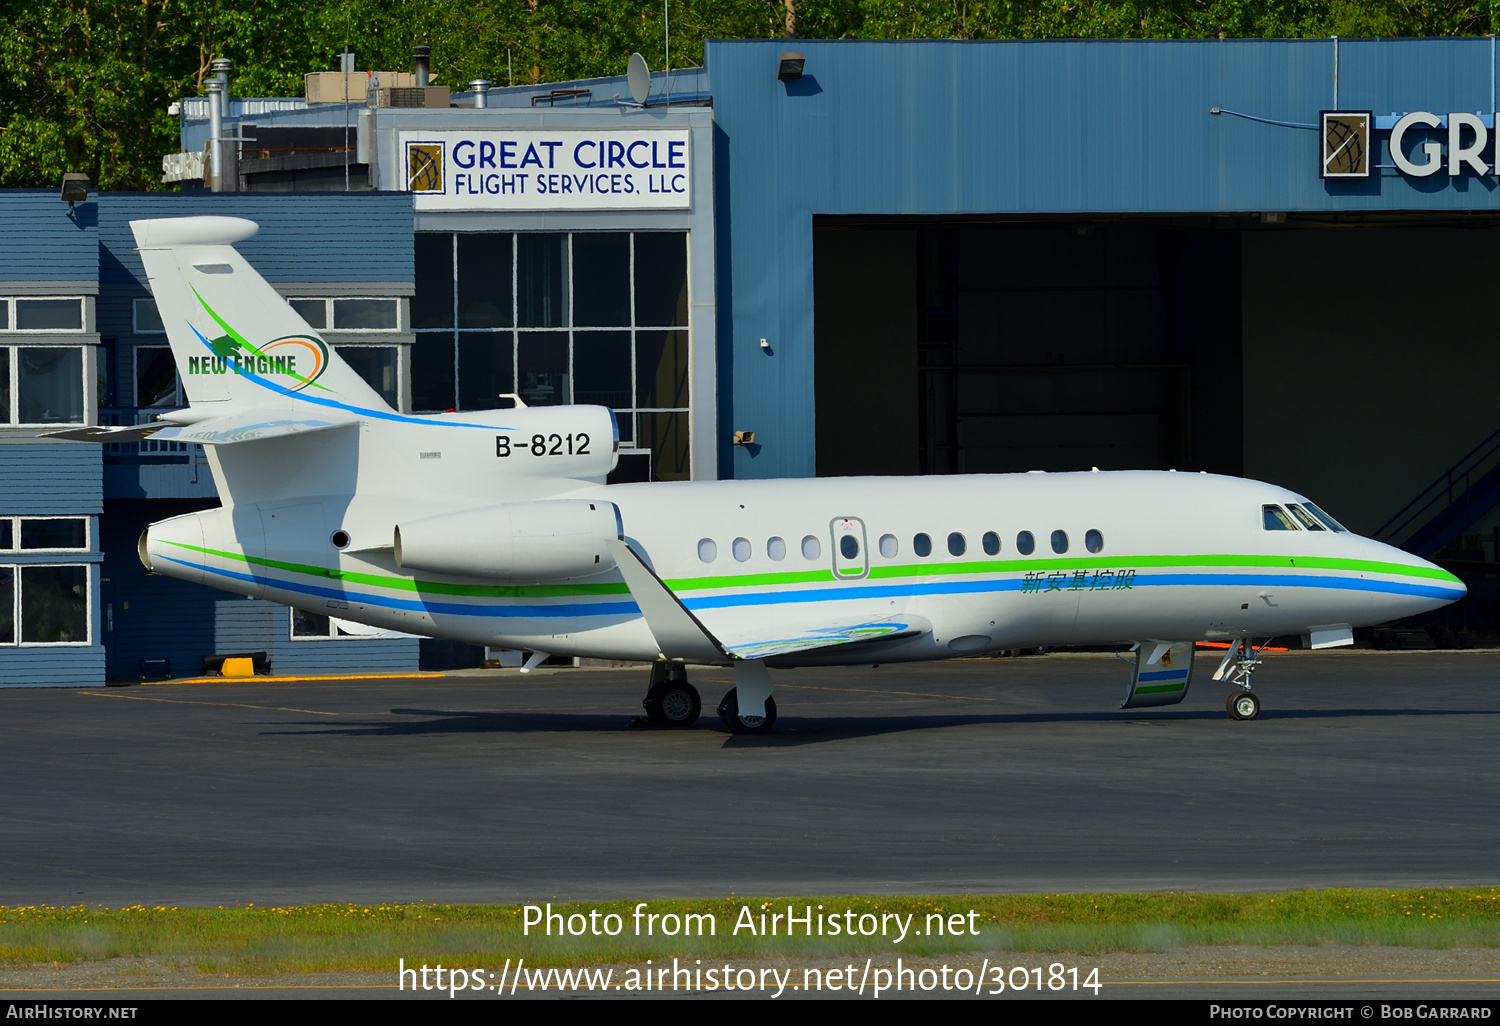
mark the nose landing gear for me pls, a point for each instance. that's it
(1238, 664)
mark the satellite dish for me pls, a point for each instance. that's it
(639, 77)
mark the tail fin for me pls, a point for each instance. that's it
(234, 339)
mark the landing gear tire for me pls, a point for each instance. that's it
(1243, 705)
(729, 715)
(674, 704)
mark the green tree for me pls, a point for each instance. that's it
(85, 84)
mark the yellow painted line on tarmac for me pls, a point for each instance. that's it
(874, 691)
(226, 705)
(286, 680)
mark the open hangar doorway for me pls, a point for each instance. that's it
(1353, 358)
(1041, 344)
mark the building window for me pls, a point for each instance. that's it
(41, 385)
(354, 314)
(145, 317)
(156, 381)
(53, 603)
(51, 314)
(44, 534)
(377, 365)
(307, 626)
(598, 318)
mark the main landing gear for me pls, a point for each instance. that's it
(670, 700)
(674, 703)
(729, 715)
(1238, 664)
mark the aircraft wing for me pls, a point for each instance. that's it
(246, 426)
(680, 634)
(766, 642)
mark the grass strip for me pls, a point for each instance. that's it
(251, 939)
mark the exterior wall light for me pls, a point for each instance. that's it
(75, 188)
(744, 438)
(790, 68)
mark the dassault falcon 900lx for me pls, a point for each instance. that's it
(497, 528)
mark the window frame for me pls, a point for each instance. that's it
(328, 302)
(11, 345)
(631, 416)
(180, 396)
(12, 311)
(15, 535)
(135, 317)
(17, 615)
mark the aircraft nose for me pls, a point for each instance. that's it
(1429, 585)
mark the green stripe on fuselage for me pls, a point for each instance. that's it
(412, 584)
(1014, 566)
(938, 569)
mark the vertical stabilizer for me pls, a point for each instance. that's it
(235, 340)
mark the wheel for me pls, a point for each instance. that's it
(729, 715)
(1243, 705)
(673, 704)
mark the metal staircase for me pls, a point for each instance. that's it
(1443, 510)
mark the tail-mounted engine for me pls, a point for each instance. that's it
(546, 540)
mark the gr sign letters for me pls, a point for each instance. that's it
(605, 169)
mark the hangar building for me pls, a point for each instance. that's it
(1257, 257)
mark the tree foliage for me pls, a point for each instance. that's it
(85, 84)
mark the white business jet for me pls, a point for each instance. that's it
(497, 528)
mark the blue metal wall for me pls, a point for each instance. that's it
(307, 237)
(45, 240)
(1037, 127)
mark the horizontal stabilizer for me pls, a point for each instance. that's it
(249, 426)
(768, 643)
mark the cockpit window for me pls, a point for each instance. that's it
(1276, 518)
(1332, 524)
(1306, 518)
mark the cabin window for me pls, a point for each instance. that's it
(1093, 541)
(1059, 542)
(811, 547)
(849, 546)
(1305, 518)
(1276, 519)
(888, 546)
(1328, 521)
(957, 544)
(741, 549)
(922, 545)
(707, 550)
(991, 543)
(776, 549)
(1025, 543)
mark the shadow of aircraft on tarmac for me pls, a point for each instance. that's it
(794, 731)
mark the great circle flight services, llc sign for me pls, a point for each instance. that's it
(1421, 143)
(643, 169)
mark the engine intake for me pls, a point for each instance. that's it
(547, 540)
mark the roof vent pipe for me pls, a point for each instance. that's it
(481, 89)
(220, 67)
(421, 55)
(215, 131)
